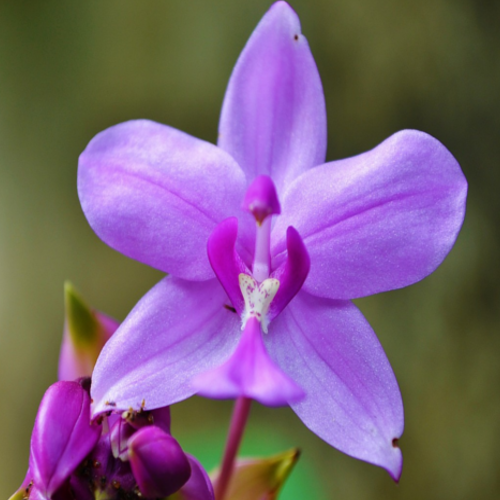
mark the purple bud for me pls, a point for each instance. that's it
(62, 437)
(158, 463)
(261, 199)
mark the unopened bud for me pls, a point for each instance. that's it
(85, 333)
(62, 437)
(260, 478)
(158, 463)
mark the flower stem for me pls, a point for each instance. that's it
(236, 429)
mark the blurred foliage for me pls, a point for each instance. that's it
(71, 69)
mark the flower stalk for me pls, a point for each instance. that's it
(235, 435)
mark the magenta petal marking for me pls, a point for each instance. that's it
(158, 463)
(177, 330)
(249, 372)
(226, 262)
(261, 199)
(353, 400)
(155, 194)
(62, 436)
(291, 274)
(273, 119)
(378, 221)
(199, 486)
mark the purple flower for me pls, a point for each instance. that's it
(346, 229)
(130, 456)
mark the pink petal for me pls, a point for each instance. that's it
(177, 330)
(378, 221)
(155, 194)
(273, 119)
(352, 397)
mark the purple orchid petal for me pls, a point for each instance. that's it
(158, 463)
(226, 262)
(155, 194)
(250, 372)
(62, 436)
(177, 330)
(261, 199)
(353, 400)
(199, 486)
(273, 119)
(378, 221)
(291, 274)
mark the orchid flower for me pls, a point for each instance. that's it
(265, 244)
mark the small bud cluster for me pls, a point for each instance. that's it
(118, 455)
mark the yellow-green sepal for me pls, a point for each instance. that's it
(260, 478)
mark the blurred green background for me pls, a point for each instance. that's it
(70, 69)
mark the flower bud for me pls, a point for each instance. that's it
(260, 477)
(85, 333)
(158, 463)
(62, 436)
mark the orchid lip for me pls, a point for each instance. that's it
(251, 372)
